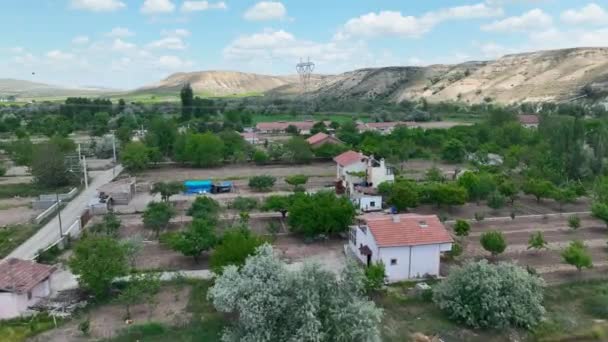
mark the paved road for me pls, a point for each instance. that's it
(49, 234)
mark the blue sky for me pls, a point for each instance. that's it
(128, 43)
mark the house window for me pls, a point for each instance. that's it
(372, 204)
(29, 295)
(393, 262)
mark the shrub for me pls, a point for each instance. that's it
(262, 183)
(205, 208)
(577, 255)
(574, 222)
(537, 241)
(493, 242)
(597, 306)
(374, 277)
(456, 251)
(479, 217)
(482, 295)
(260, 157)
(496, 200)
(462, 228)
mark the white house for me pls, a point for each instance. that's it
(23, 284)
(354, 168)
(409, 245)
(367, 203)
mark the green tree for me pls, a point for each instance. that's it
(445, 194)
(198, 238)
(187, 98)
(135, 157)
(577, 255)
(260, 157)
(403, 195)
(204, 150)
(235, 146)
(157, 216)
(49, 167)
(564, 194)
(97, 261)
(234, 248)
(244, 203)
(509, 190)
(482, 295)
(493, 242)
(277, 203)
(21, 151)
(453, 151)
(262, 183)
(141, 288)
(291, 129)
(462, 228)
(537, 241)
(263, 297)
(320, 213)
(111, 224)
(434, 174)
(167, 189)
(574, 222)
(478, 186)
(296, 181)
(496, 200)
(538, 188)
(162, 134)
(298, 151)
(204, 207)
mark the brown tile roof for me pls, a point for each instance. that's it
(20, 276)
(409, 230)
(317, 138)
(349, 157)
(529, 119)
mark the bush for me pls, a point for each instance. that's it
(374, 277)
(262, 183)
(456, 251)
(493, 242)
(482, 295)
(260, 157)
(244, 203)
(479, 217)
(574, 222)
(462, 228)
(204, 208)
(496, 200)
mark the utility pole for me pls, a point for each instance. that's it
(58, 202)
(114, 153)
(84, 170)
(79, 153)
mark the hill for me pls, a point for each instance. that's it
(26, 89)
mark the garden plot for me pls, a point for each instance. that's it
(547, 262)
(16, 211)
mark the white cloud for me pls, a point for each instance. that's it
(157, 6)
(80, 40)
(592, 14)
(26, 59)
(58, 55)
(392, 23)
(266, 10)
(175, 33)
(120, 32)
(17, 49)
(168, 43)
(533, 20)
(195, 6)
(98, 5)
(122, 46)
(173, 63)
(493, 50)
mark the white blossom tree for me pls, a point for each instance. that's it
(273, 303)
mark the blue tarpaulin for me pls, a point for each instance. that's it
(198, 186)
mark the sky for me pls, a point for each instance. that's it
(125, 44)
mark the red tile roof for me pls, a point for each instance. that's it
(20, 276)
(408, 230)
(317, 138)
(529, 119)
(349, 157)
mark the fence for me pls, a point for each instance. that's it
(45, 214)
(48, 200)
(73, 231)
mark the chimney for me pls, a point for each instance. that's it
(396, 219)
(422, 224)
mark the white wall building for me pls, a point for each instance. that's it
(23, 284)
(356, 168)
(408, 245)
(367, 203)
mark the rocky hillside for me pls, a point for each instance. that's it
(221, 83)
(28, 89)
(537, 76)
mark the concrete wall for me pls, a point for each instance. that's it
(14, 305)
(364, 237)
(370, 203)
(380, 174)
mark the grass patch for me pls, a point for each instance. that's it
(206, 324)
(19, 329)
(27, 190)
(14, 235)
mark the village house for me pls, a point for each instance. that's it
(409, 245)
(354, 169)
(382, 127)
(23, 284)
(529, 120)
(321, 139)
(303, 127)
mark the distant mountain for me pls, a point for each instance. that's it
(220, 83)
(28, 89)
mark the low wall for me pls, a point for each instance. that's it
(47, 200)
(45, 214)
